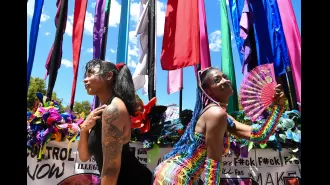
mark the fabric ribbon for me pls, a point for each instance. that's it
(151, 49)
(38, 4)
(98, 31)
(77, 35)
(55, 55)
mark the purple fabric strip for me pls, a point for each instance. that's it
(98, 27)
(246, 33)
(97, 36)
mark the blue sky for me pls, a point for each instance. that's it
(65, 74)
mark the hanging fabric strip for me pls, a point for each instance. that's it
(174, 81)
(98, 28)
(77, 35)
(236, 7)
(248, 49)
(151, 49)
(122, 48)
(38, 4)
(203, 37)
(155, 47)
(269, 36)
(140, 73)
(97, 37)
(56, 53)
(293, 41)
(227, 63)
(105, 31)
(181, 35)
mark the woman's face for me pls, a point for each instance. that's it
(219, 87)
(94, 82)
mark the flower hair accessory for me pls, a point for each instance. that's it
(119, 66)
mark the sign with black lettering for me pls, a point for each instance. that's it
(261, 167)
(86, 167)
(62, 166)
(57, 164)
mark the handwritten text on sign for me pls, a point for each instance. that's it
(56, 165)
(263, 167)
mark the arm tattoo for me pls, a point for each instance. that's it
(111, 141)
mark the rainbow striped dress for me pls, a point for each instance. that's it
(182, 169)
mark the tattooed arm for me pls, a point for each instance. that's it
(112, 136)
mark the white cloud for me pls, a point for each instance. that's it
(66, 63)
(69, 27)
(132, 37)
(89, 23)
(112, 51)
(30, 8)
(135, 12)
(131, 63)
(44, 17)
(115, 9)
(133, 50)
(161, 8)
(90, 50)
(93, 5)
(215, 41)
(47, 33)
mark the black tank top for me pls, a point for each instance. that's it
(131, 170)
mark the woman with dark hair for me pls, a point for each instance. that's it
(206, 139)
(106, 132)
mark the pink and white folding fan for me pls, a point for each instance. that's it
(257, 90)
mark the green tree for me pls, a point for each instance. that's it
(36, 85)
(39, 85)
(83, 106)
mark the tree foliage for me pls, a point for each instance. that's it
(39, 85)
(83, 106)
(36, 85)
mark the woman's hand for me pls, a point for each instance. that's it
(92, 117)
(279, 97)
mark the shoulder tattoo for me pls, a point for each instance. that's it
(112, 143)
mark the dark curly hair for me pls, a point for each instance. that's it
(123, 86)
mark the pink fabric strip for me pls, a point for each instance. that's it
(174, 81)
(203, 37)
(293, 40)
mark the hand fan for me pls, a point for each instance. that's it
(257, 90)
